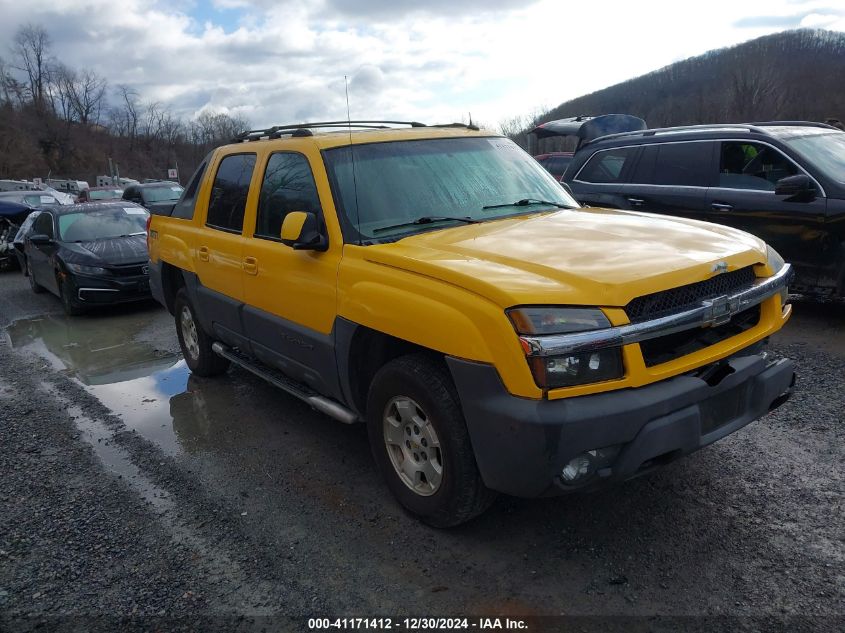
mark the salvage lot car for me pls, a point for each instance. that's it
(437, 283)
(93, 194)
(157, 197)
(783, 181)
(12, 217)
(89, 254)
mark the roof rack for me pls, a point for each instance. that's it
(304, 129)
(788, 123)
(747, 127)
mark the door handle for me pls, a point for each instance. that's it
(203, 253)
(250, 265)
(721, 206)
(636, 201)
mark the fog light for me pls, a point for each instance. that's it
(585, 465)
(578, 468)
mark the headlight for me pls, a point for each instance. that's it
(551, 320)
(86, 270)
(566, 370)
(775, 261)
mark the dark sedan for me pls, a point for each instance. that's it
(90, 254)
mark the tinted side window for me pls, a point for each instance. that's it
(44, 225)
(745, 165)
(185, 206)
(608, 166)
(228, 194)
(684, 164)
(644, 171)
(288, 186)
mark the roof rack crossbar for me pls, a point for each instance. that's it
(250, 135)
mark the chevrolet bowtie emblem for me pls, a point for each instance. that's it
(719, 267)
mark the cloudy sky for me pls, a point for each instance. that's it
(283, 61)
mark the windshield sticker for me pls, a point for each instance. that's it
(133, 211)
(176, 188)
(502, 143)
(47, 199)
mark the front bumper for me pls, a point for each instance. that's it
(522, 445)
(107, 290)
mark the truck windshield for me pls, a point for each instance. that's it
(393, 184)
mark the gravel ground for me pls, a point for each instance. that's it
(162, 501)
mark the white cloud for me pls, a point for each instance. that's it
(436, 61)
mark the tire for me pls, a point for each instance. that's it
(414, 395)
(36, 287)
(70, 303)
(195, 343)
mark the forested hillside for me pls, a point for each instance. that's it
(67, 122)
(790, 75)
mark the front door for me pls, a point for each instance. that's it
(40, 256)
(291, 294)
(744, 197)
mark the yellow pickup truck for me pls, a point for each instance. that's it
(437, 284)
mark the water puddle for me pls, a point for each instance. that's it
(99, 436)
(154, 393)
(129, 377)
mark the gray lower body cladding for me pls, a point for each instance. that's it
(522, 445)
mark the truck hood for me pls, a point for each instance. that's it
(598, 257)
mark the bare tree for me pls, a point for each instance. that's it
(31, 49)
(127, 112)
(12, 92)
(88, 95)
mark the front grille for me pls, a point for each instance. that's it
(660, 304)
(131, 270)
(665, 348)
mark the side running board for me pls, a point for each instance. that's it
(298, 390)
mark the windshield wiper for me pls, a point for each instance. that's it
(427, 219)
(527, 202)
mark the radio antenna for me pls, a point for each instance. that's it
(352, 158)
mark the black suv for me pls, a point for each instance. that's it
(158, 197)
(782, 181)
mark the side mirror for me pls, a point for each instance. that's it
(301, 230)
(798, 187)
(40, 239)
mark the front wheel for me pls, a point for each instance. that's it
(195, 344)
(420, 442)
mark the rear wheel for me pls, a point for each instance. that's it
(195, 344)
(70, 303)
(36, 288)
(420, 442)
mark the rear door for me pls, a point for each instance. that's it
(219, 247)
(672, 179)
(743, 196)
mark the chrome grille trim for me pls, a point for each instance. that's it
(714, 311)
